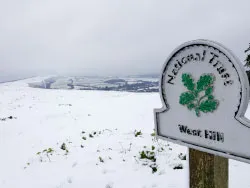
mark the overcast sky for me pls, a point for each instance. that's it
(112, 36)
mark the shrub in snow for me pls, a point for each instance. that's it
(178, 166)
(137, 133)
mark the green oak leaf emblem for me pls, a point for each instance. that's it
(199, 96)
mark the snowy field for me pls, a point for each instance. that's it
(88, 139)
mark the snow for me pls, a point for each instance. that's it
(98, 130)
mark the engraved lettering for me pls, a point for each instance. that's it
(184, 60)
(221, 70)
(226, 75)
(201, 57)
(170, 79)
(214, 135)
(220, 137)
(214, 56)
(192, 132)
(228, 82)
(198, 58)
(179, 63)
(183, 129)
(204, 54)
(216, 63)
(175, 71)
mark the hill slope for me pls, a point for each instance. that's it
(72, 138)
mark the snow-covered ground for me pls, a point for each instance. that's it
(80, 139)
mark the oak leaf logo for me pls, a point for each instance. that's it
(199, 96)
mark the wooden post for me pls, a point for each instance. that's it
(207, 170)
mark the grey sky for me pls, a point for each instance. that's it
(112, 36)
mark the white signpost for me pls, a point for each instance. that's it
(205, 94)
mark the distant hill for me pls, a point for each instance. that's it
(140, 83)
(12, 78)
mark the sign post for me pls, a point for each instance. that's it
(205, 93)
(207, 170)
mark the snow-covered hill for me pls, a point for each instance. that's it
(98, 139)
